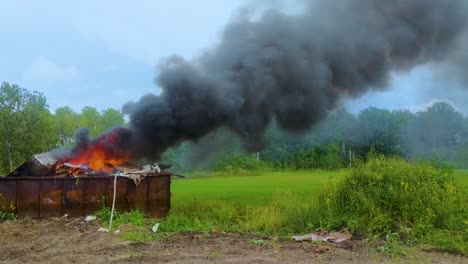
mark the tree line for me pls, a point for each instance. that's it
(439, 131)
(27, 126)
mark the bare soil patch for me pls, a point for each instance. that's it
(60, 241)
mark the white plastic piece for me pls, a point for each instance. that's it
(90, 218)
(117, 231)
(155, 228)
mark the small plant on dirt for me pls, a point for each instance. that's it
(259, 242)
(134, 217)
(431, 238)
(7, 211)
(139, 226)
(393, 246)
(105, 213)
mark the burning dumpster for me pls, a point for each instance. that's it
(80, 195)
(81, 181)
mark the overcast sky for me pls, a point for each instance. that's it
(104, 53)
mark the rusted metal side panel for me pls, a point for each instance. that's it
(8, 193)
(159, 196)
(43, 197)
(121, 203)
(28, 199)
(51, 198)
(95, 195)
(73, 197)
(137, 195)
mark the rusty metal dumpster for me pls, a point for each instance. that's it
(43, 197)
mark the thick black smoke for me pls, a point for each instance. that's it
(293, 69)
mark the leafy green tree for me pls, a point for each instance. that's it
(461, 158)
(437, 130)
(112, 118)
(26, 126)
(339, 129)
(91, 119)
(67, 122)
(382, 131)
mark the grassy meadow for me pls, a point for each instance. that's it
(386, 199)
(276, 203)
(255, 189)
(462, 177)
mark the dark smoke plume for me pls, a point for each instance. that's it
(293, 69)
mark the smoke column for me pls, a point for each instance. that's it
(293, 69)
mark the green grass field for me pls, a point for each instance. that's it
(256, 189)
(462, 176)
(268, 202)
(279, 203)
(285, 203)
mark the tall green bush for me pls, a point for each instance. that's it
(388, 195)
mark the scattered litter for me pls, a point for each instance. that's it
(90, 218)
(311, 237)
(137, 175)
(155, 228)
(102, 229)
(117, 231)
(336, 237)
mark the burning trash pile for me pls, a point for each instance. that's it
(80, 180)
(106, 155)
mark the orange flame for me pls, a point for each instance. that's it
(102, 153)
(98, 160)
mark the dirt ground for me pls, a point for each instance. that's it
(77, 241)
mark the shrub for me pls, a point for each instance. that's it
(305, 157)
(388, 195)
(240, 163)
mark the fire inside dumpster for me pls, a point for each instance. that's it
(81, 181)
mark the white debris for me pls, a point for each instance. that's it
(336, 237)
(155, 228)
(90, 218)
(155, 168)
(117, 231)
(102, 229)
(137, 178)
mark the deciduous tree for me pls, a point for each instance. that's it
(26, 126)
